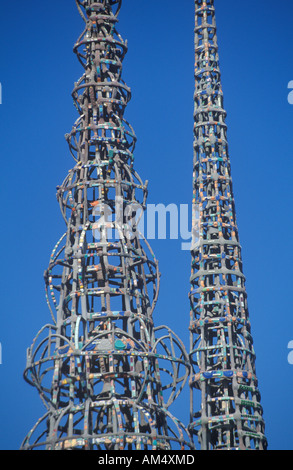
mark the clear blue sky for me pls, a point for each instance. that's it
(37, 72)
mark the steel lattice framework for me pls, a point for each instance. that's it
(106, 375)
(222, 353)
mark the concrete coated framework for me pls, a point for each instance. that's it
(105, 373)
(222, 355)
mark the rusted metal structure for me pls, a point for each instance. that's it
(222, 356)
(105, 373)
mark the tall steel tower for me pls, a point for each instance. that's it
(222, 354)
(106, 375)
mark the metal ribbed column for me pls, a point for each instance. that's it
(222, 355)
(106, 375)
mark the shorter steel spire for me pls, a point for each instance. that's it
(230, 415)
